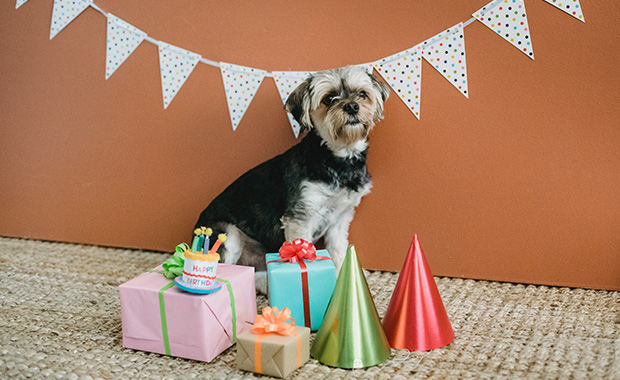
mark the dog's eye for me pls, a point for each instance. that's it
(328, 100)
(363, 94)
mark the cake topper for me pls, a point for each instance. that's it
(200, 266)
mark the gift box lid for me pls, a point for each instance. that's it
(275, 265)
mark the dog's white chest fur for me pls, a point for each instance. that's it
(322, 208)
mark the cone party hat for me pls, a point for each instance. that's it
(351, 335)
(416, 318)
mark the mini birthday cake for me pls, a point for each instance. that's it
(199, 269)
(200, 266)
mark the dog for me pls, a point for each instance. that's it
(311, 190)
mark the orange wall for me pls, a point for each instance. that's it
(519, 183)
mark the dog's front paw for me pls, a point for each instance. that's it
(260, 279)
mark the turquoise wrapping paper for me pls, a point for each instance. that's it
(285, 287)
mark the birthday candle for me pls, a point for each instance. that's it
(207, 233)
(220, 239)
(201, 242)
(196, 239)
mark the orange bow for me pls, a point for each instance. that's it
(274, 321)
(299, 249)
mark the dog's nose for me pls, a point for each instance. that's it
(351, 108)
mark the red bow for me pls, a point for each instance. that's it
(296, 252)
(299, 249)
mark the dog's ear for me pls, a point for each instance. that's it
(383, 90)
(298, 104)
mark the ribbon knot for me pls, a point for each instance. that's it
(173, 267)
(298, 249)
(274, 321)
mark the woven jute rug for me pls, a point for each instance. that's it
(60, 318)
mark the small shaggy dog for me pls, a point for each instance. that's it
(311, 190)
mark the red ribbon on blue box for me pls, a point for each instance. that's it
(300, 252)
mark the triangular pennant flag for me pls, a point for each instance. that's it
(240, 84)
(287, 82)
(403, 72)
(64, 12)
(19, 3)
(176, 65)
(572, 7)
(122, 40)
(446, 53)
(508, 19)
(394, 57)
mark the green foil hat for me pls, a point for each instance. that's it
(351, 335)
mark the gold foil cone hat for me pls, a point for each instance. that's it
(351, 335)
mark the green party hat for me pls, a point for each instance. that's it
(351, 335)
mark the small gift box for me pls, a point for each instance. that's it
(303, 279)
(159, 317)
(273, 347)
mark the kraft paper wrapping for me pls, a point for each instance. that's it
(278, 353)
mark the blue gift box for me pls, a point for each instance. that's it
(286, 287)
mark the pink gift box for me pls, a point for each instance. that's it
(198, 326)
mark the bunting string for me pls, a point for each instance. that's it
(402, 71)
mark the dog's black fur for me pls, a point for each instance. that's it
(311, 190)
(257, 200)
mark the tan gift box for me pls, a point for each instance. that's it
(277, 355)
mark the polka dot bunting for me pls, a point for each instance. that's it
(64, 12)
(122, 40)
(404, 74)
(572, 7)
(176, 65)
(508, 19)
(240, 84)
(394, 57)
(287, 82)
(446, 53)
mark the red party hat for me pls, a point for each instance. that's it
(416, 319)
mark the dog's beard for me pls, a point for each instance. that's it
(342, 130)
(350, 132)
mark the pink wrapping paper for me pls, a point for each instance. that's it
(199, 326)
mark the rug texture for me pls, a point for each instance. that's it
(60, 318)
